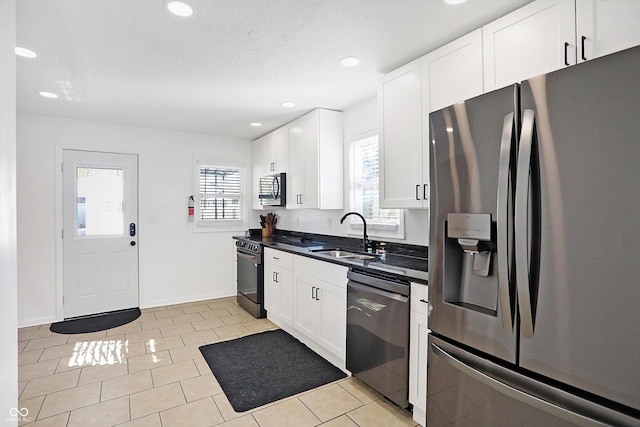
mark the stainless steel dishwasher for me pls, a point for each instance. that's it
(378, 333)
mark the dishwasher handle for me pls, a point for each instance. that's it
(394, 286)
(371, 290)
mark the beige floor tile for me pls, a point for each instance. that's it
(156, 400)
(32, 332)
(90, 374)
(232, 331)
(154, 309)
(200, 387)
(22, 345)
(50, 384)
(28, 357)
(176, 330)
(100, 352)
(342, 421)
(223, 303)
(67, 364)
(68, 400)
(33, 407)
(236, 309)
(133, 349)
(173, 373)
(48, 341)
(146, 316)
(260, 325)
(329, 402)
(235, 319)
(202, 337)
(36, 370)
(148, 361)
(55, 421)
(196, 308)
(152, 420)
(58, 351)
(202, 365)
(91, 336)
(155, 345)
(164, 322)
(207, 324)
(225, 407)
(361, 391)
(143, 336)
(380, 413)
(187, 318)
(170, 312)
(128, 328)
(245, 421)
(188, 352)
(103, 414)
(23, 384)
(125, 385)
(202, 412)
(215, 314)
(288, 413)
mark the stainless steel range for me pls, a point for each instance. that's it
(250, 282)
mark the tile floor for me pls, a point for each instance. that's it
(151, 373)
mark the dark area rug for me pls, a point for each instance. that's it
(265, 367)
(96, 322)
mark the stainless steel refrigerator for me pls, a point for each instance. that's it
(534, 269)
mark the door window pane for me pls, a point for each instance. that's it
(99, 201)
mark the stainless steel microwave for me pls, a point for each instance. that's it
(273, 190)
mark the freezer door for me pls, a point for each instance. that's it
(583, 261)
(466, 390)
(472, 294)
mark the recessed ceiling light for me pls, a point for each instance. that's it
(179, 8)
(21, 51)
(350, 61)
(256, 124)
(454, 1)
(47, 94)
(288, 104)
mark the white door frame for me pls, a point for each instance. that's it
(59, 267)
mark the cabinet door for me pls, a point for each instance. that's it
(258, 164)
(305, 307)
(606, 26)
(452, 73)
(309, 193)
(280, 147)
(400, 137)
(533, 40)
(284, 279)
(271, 290)
(332, 327)
(295, 175)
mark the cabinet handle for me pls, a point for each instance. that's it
(417, 190)
(313, 289)
(317, 294)
(584, 58)
(301, 199)
(276, 273)
(566, 53)
(275, 257)
(424, 191)
(424, 301)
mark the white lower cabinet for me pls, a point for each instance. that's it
(278, 286)
(308, 300)
(418, 334)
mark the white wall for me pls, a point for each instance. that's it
(360, 120)
(176, 263)
(8, 266)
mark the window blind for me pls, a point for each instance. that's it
(220, 193)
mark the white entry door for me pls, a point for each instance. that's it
(100, 210)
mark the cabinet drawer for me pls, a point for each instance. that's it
(419, 294)
(278, 258)
(321, 270)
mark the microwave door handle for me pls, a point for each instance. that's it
(503, 221)
(275, 187)
(521, 223)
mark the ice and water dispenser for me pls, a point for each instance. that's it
(470, 274)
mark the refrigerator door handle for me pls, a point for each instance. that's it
(521, 224)
(502, 222)
(515, 393)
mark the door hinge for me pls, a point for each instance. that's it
(62, 167)
(62, 233)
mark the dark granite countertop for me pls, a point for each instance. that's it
(395, 260)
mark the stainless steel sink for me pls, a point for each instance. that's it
(338, 253)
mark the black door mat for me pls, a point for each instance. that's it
(265, 367)
(96, 322)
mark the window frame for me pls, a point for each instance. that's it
(375, 229)
(219, 224)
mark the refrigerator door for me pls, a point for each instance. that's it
(466, 390)
(471, 289)
(583, 261)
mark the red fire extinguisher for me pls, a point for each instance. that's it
(191, 205)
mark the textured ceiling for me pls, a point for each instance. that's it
(233, 62)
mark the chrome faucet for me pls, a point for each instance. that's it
(365, 238)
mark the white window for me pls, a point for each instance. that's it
(220, 195)
(364, 175)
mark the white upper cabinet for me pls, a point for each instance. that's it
(400, 114)
(276, 151)
(535, 39)
(315, 173)
(257, 153)
(453, 72)
(606, 26)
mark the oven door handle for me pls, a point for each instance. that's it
(253, 257)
